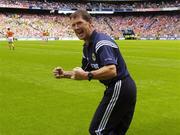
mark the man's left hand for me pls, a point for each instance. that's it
(79, 74)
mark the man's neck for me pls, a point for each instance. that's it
(88, 40)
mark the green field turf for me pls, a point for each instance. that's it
(33, 102)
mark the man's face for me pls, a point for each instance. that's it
(82, 28)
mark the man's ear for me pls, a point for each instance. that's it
(91, 23)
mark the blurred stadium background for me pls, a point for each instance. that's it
(141, 19)
(32, 102)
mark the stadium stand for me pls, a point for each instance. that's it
(157, 20)
(94, 5)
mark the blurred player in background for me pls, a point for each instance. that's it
(10, 38)
(45, 35)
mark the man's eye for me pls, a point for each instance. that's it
(79, 23)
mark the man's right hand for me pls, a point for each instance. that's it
(58, 72)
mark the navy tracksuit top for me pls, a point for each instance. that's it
(101, 51)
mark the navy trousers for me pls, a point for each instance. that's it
(115, 111)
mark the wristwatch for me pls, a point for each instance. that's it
(90, 76)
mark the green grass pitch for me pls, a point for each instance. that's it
(33, 102)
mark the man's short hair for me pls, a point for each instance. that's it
(81, 13)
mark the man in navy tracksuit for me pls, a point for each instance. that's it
(102, 60)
